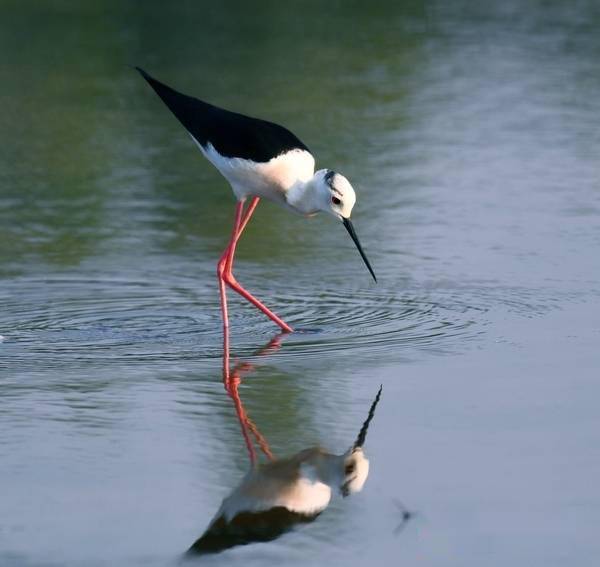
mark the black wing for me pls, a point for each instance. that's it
(248, 527)
(231, 134)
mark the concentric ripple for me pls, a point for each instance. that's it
(104, 319)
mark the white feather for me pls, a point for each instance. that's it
(268, 180)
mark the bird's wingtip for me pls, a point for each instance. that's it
(141, 71)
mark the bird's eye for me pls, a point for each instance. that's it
(349, 469)
(335, 201)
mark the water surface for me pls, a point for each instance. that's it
(472, 137)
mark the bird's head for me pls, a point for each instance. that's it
(356, 471)
(356, 465)
(336, 197)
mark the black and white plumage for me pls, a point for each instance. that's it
(257, 157)
(260, 159)
(231, 134)
(276, 496)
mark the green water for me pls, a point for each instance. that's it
(471, 135)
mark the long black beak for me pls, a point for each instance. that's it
(352, 234)
(362, 435)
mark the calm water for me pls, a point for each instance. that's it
(472, 137)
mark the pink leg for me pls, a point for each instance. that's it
(225, 265)
(262, 442)
(232, 378)
(223, 261)
(248, 214)
(234, 382)
(231, 381)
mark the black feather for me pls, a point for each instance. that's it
(233, 135)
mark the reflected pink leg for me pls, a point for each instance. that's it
(242, 417)
(232, 378)
(231, 381)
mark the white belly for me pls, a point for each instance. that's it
(269, 180)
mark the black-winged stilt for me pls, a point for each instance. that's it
(274, 497)
(259, 159)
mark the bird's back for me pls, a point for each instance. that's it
(271, 500)
(233, 135)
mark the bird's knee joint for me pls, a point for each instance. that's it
(229, 279)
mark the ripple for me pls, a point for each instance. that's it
(104, 319)
(384, 322)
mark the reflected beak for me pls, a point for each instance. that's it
(362, 435)
(352, 234)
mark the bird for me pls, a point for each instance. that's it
(275, 496)
(260, 160)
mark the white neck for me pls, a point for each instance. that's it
(327, 467)
(302, 197)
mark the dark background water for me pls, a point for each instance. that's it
(471, 132)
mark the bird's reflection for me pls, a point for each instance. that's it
(276, 495)
(232, 378)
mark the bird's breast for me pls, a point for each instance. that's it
(269, 180)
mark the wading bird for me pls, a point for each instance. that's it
(260, 160)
